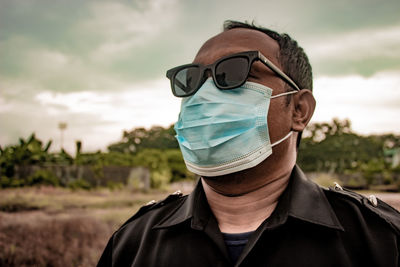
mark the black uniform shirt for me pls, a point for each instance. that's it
(310, 226)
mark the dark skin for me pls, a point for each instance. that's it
(261, 185)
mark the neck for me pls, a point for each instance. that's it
(244, 210)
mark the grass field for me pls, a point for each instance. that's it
(58, 227)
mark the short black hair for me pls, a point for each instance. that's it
(292, 57)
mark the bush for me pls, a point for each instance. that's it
(114, 185)
(43, 177)
(5, 182)
(160, 179)
(177, 165)
(79, 184)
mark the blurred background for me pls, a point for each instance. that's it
(86, 112)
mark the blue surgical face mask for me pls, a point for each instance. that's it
(225, 131)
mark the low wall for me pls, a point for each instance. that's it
(139, 177)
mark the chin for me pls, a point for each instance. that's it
(231, 178)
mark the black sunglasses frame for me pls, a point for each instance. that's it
(251, 57)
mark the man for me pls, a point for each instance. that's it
(246, 98)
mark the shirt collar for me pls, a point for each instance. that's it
(305, 200)
(302, 199)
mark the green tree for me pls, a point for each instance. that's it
(336, 148)
(26, 152)
(139, 138)
(177, 165)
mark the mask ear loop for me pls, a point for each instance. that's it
(291, 132)
(283, 139)
(286, 93)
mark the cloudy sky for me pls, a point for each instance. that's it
(99, 66)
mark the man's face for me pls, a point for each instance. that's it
(240, 40)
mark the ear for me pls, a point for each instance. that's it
(304, 106)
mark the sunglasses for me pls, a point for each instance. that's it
(228, 72)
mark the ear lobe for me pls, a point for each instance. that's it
(304, 106)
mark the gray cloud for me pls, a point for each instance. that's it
(139, 40)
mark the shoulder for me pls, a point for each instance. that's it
(366, 208)
(127, 239)
(154, 211)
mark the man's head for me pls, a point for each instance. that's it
(285, 114)
(291, 57)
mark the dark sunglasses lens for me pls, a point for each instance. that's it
(232, 71)
(186, 81)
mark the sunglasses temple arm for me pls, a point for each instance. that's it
(277, 71)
